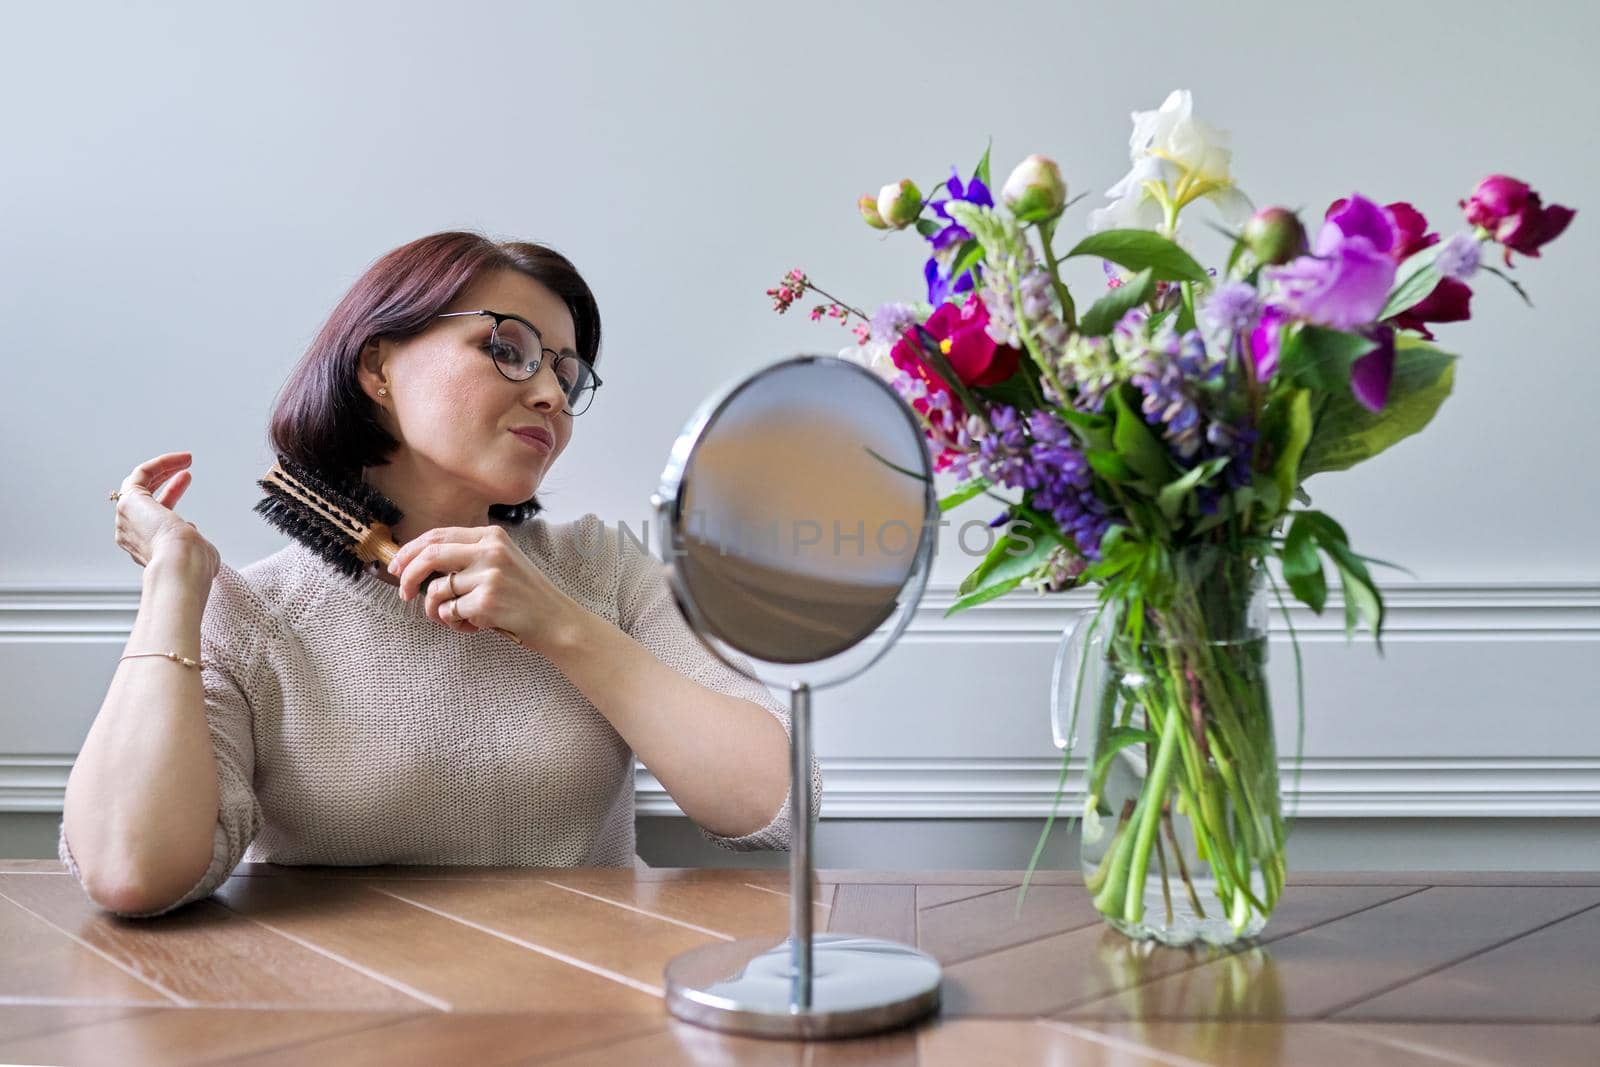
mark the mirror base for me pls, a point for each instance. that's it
(860, 985)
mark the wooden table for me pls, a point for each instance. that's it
(475, 966)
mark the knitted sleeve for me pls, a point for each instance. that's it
(649, 614)
(232, 646)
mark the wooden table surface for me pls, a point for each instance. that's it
(470, 966)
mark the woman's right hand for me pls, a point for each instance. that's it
(146, 523)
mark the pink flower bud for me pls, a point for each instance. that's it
(899, 203)
(1035, 191)
(869, 211)
(1274, 236)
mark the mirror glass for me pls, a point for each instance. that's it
(801, 509)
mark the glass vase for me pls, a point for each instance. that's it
(1182, 828)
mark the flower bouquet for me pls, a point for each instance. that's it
(1155, 442)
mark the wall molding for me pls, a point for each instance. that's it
(1328, 788)
(1549, 787)
(1497, 625)
(1416, 610)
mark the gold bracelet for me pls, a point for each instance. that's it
(173, 656)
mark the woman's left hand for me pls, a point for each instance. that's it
(498, 586)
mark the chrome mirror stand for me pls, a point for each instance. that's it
(808, 985)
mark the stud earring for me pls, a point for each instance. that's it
(382, 391)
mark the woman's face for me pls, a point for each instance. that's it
(454, 412)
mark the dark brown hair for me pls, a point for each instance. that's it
(326, 422)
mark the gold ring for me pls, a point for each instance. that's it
(115, 494)
(453, 594)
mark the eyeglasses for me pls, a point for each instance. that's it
(517, 351)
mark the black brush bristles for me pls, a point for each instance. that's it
(351, 526)
(346, 525)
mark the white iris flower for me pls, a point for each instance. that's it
(1177, 159)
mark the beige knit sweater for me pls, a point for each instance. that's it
(351, 729)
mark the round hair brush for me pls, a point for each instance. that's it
(351, 526)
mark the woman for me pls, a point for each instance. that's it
(340, 721)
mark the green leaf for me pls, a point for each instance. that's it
(1271, 500)
(1139, 447)
(1325, 528)
(875, 454)
(1039, 524)
(969, 256)
(1186, 321)
(1116, 555)
(1347, 433)
(1415, 279)
(1016, 553)
(1019, 391)
(929, 227)
(963, 493)
(1361, 601)
(1287, 425)
(1361, 596)
(990, 561)
(1110, 466)
(1302, 565)
(1093, 430)
(983, 166)
(1172, 495)
(1139, 250)
(984, 595)
(1109, 309)
(1119, 738)
(1320, 358)
(1239, 498)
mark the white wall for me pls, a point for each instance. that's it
(187, 189)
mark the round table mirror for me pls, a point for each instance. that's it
(798, 517)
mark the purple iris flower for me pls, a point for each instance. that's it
(947, 240)
(1346, 279)
(1265, 339)
(1370, 374)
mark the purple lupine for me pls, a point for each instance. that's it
(1093, 365)
(1037, 295)
(1184, 390)
(1041, 456)
(1128, 334)
(1002, 316)
(1237, 442)
(1089, 365)
(1170, 374)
